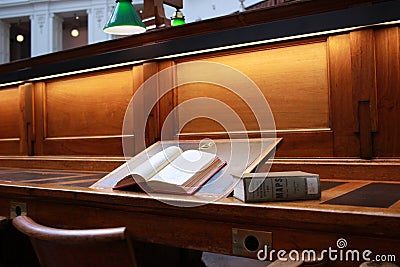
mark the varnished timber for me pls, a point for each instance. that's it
(64, 247)
(73, 116)
(9, 121)
(26, 126)
(347, 169)
(295, 225)
(387, 43)
(362, 47)
(345, 141)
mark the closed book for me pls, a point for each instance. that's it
(278, 186)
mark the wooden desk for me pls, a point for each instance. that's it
(63, 198)
(294, 225)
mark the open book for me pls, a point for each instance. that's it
(173, 171)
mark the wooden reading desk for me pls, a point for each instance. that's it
(330, 73)
(364, 213)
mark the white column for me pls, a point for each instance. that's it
(41, 42)
(56, 33)
(97, 18)
(4, 42)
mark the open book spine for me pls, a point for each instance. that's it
(283, 188)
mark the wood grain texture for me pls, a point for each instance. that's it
(39, 117)
(9, 108)
(75, 115)
(295, 225)
(168, 100)
(88, 105)
(293, 79)
(99, 163)
(362, 47)
(9, 121)
(346, 143)
(152, 126)
(313, 143)
(26, 119)
(346, 169)
(294, 144)
(386, 140)
(364, 120)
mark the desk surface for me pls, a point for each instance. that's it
(63, 199)
(365, 213)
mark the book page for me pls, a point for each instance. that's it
(184, 167)
(157, 162)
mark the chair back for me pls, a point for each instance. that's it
(75, 248)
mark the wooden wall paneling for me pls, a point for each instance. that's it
(362, 46)
(167, 101)
(152, 127)
(9, 121)
(39, 117)
(26, 119)
(83, 115)
(296, 144)
(345, 142)
(137, 80)
(293, 78)
(387, 139)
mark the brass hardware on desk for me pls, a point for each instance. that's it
(248, 242)
(17, 209)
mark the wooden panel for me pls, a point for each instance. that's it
(152, 130)
(166, 103)
(293, 79)
(26, 119)
(362, 48)
(386, 140)
(83, 115)
(294, 144)
(305, 144)
(346, 169)
(9, 110)
(346, 143)
(9, 121)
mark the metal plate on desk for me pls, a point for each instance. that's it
(248, 243)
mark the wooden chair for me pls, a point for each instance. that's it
(93, 247)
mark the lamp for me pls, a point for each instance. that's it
(178, 18)
(124, 20)
(75, 32)
(20, 38)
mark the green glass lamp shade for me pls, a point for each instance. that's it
(178, 18)
(124, 20)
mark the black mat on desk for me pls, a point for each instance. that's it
(328, 185)
(375, 195)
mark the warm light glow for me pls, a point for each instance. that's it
(228, 47)
(20, 38)
(125, 30)
(74, 33)
(124, 20)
